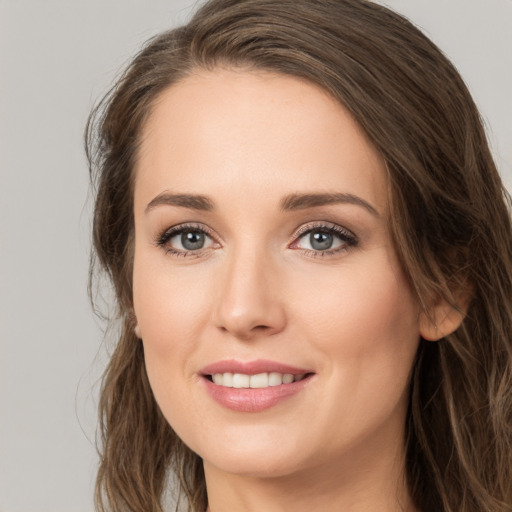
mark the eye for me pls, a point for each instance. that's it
(185, 239)
(189, 240)
(324, 239)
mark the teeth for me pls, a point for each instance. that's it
(287, 378)
(227, 379)
(239, 380)
(275, 379)
(261, 380)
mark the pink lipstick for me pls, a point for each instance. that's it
(253, 386)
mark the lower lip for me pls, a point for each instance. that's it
(253, 399)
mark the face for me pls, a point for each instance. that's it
(278, 328)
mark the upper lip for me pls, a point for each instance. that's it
(251, 367)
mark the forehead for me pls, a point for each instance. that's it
(265, 132)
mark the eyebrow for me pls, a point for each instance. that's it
(193, 201)
(291, 202)
(294, 202)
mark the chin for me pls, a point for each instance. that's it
(258, 467)
(262, 456)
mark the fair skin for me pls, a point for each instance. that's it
(247, 273)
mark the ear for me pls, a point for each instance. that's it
(135, 324)
(444, 318)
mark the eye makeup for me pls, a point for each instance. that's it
(324, 238)
(194, 238)
(316, 239)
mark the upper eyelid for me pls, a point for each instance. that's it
(184, 226)
(329, 226)
(298, 233)
(165, 235)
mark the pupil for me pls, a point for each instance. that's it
(192, 240)
(321, 241)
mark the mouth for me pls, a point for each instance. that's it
(253, 386)
(257, 381)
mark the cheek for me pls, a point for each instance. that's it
(364, 332)
(169, 305)
(360, 299)
(170, 309)
(366, 323)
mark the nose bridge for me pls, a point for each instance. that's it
(250, 301)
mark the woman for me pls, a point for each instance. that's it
(310, 248)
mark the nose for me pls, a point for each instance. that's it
(251, 303)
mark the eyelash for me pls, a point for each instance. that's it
(163, 239)
(348, 239)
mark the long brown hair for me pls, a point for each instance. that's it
(449, 217)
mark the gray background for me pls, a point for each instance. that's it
(56, 58)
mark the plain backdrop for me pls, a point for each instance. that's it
(57, 57)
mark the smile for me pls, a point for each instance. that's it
(258, 381)
(253, 386)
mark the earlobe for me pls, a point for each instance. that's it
(442, 322)
(443, 319)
